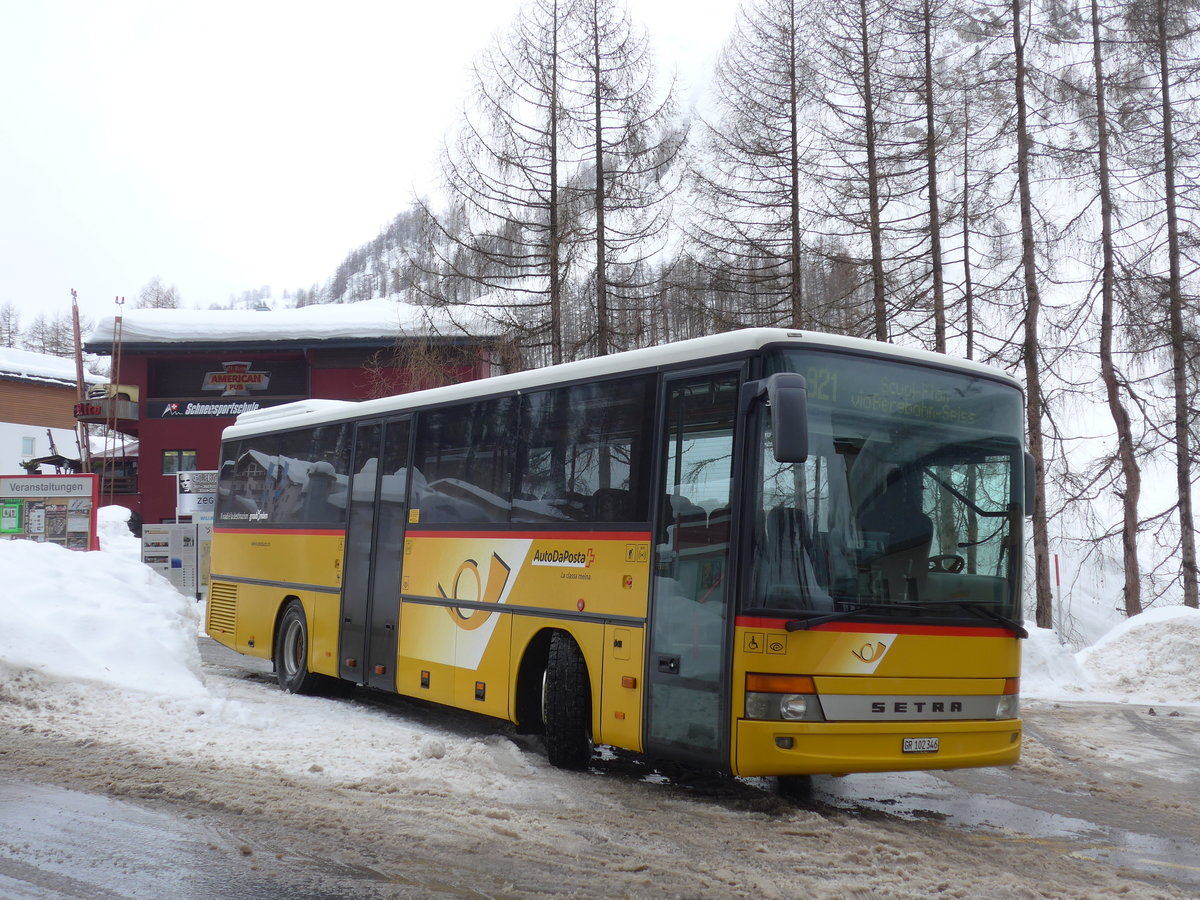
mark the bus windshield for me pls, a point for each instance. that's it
(909, 504)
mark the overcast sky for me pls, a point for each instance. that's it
(228, 145)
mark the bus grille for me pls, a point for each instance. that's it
(222, 607)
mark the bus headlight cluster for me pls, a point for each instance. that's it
(791, 698)
(788, 707)
(1009, 706)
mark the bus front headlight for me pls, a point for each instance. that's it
(793, 706)
(1009, 706)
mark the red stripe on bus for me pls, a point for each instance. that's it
(338, 532)
(537, 535)
(878, 628)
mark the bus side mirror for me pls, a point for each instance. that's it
(787, 398)
(1030, 483)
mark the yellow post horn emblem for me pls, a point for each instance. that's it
(870, 653)
(497, 578)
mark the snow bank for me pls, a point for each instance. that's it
(97, 646)
(112, 526)
(1152, 658)
(1149, 657)
(95, 617)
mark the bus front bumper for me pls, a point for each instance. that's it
(810, 748)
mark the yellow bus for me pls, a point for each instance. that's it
(767, 552)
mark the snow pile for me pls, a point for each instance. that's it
(1049, 669)
(95, 617)
(98, 647)
(112, 526)
(1152, 658)
(1148, 657)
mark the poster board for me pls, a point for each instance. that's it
(170, 550)
(56, 509)
(196, 496)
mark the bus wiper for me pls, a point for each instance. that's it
(1015, 627)
(803, 624)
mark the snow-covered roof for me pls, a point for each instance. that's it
(368, 320)
(29, 366)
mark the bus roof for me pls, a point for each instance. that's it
(315, 411)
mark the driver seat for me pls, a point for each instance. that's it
(904, 535)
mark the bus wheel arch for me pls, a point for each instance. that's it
(531, 677)
(567, 703)
(290, 650)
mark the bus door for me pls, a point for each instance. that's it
(688, 666)
(370, 617)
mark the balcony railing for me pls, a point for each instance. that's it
(106, 410)
(118, 484)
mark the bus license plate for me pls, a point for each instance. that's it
(920, 745)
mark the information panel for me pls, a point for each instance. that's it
(56, 509)
(170, 550)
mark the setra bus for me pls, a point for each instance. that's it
(767, 552)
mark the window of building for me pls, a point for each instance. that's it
(178, 461)
(27, 446)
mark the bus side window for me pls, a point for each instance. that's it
(584, 453)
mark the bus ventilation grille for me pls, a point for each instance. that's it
(222, 607)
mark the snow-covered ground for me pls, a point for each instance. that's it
(96, 648)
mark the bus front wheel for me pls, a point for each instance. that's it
(291, 653)
(567, 705)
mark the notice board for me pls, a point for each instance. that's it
(56, 509)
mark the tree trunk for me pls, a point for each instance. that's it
(1131, 475)
(1044, 606)
(878, 294)
(796, 288)
(935, 219)
(556, 323)
(1183, 455)
(603, 331)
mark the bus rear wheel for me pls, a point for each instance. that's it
(567, 704)
(291, 653)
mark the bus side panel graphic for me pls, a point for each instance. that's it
(460, 654)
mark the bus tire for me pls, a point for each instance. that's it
(567, 704)
(797, 788)
(291, 653)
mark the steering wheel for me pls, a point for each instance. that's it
(946, 563)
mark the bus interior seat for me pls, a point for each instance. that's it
(903, 534)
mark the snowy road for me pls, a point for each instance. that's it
(247, 797)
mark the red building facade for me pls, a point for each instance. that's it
(185, 387)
